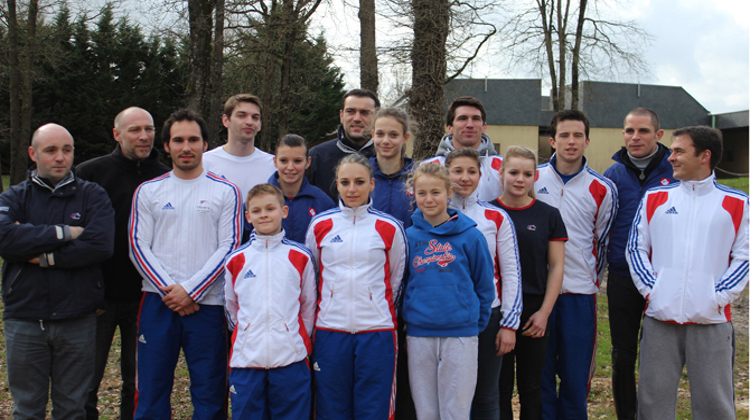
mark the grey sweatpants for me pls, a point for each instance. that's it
(443, 376)
(708, 352)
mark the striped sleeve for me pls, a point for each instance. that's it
(605, 218)
(141, 235)
(638, 250)
(229, 234)
(510, 274)
(735, 278)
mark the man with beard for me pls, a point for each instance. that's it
(183, 224)
(357, 112)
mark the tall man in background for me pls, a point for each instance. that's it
(239, 161)
(642, 164)
(133, 161)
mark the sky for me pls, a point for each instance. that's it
(703, 46)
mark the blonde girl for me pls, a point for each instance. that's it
(447, 298)
(541, 242)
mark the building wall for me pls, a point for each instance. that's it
(604, 143)
(509, 135)
(735, 158)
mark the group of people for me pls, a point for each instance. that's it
(347, 281)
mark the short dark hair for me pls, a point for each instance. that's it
(704, 138)
(644, 112)
(233, 101)
(464, 101)
(568, 115)
(183, 115)
(293, 140)
(361, 93)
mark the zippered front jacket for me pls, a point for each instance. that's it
(630, 190)
(270, 297)
(35, 221)
(688, 251)
(500, 233)
(360, 253)
(588, 205)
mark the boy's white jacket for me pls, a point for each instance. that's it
(588, 205)
(500, 233)
(688, 251)
(269, 292)
(361, 255)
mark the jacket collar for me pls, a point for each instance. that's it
(42, 182)
(553, 159)
(462, 203)
(304, 188)
(347, 146)
(135, 165)
(266, 241)
(699, 188)
(486, 148)
(354, 214)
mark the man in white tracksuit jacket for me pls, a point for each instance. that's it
(688, 256)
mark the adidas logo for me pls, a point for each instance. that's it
(168, 206)
(142, 339)
(316, 367)
(672, 211)
(336, 240)
(232, 390)
(543, 191)
(249, 274)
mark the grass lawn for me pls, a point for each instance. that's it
(600, 399)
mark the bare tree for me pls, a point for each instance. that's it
(368, 56)
(571, 37)
(428, 54)
(280, 25)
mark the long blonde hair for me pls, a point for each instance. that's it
(520, 152)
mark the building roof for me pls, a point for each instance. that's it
(507, 101)
(606, 104)
(732, 120)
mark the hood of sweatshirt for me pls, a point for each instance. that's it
(486, 148)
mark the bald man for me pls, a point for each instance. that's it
(55, 231)
(133, 161)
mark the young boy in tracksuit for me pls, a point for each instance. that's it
(270, 300)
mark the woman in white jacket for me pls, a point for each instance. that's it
(361, 254)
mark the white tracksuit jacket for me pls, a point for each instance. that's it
(360, 255)
(588, 205)
(688, 251)
(181, 231)
(500, 233)
(270, 297)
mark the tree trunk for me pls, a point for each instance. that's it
(199, 67)
(18, 153)
(27, 76)
(431, 20)
(273, 34)
(289, 38)
(547, 26)
(368, 58)
(213, 119)
(575, 60)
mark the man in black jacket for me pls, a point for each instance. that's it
(357, 114)
(133, 161)
(55, 231)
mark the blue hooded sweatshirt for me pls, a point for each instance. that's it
(449, 288)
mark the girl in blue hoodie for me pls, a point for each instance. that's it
(447, 299)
